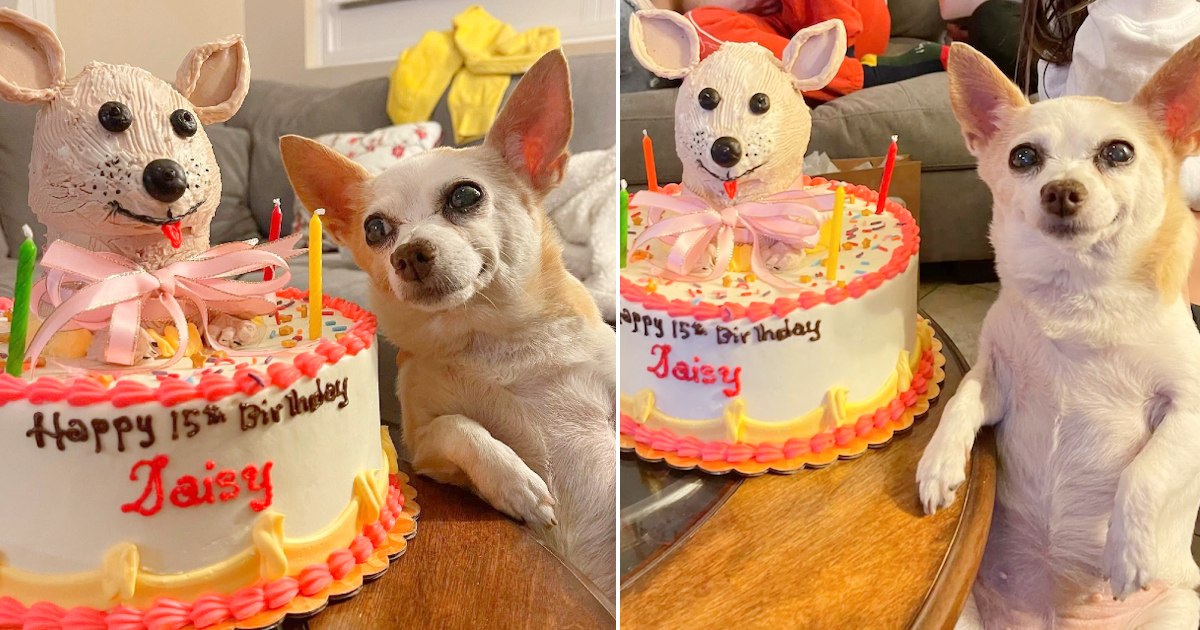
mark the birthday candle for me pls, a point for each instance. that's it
(884, 183)
(648, 156)
(314, 274)
(624, 222)
(276, 227)
(20, 310)
(835, 233)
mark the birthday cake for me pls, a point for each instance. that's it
(184, 441)
(768, 320)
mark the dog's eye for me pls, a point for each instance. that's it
(709, 98)
(184, 123)
(377, 230)
(1116, 153)
(464, 196)
(1023, 158)
(760, 103)
(115, 116)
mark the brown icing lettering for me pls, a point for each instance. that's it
(78, 430)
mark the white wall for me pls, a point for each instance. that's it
(152, 34)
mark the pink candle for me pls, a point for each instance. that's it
(276, 227)
(884, 183)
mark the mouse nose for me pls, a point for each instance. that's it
(1063, 197)
(414, 260)
(164, 180)
(726, 151)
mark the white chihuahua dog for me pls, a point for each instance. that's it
(506, 367)
(1089, 365)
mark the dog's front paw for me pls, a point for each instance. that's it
(235, 332)
(942, 469)
(522, 495)
(1128, 558)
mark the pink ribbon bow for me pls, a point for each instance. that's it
(689, 225)
(103, 290)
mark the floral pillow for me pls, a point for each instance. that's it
(376, 151)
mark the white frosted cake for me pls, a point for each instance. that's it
(731, 372)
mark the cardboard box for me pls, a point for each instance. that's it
(906, 178)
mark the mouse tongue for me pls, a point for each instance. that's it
(731, 188)
(173, 234)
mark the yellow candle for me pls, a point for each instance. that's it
(835, 234)
(314, 275)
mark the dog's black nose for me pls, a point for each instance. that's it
(414, 260)
(164, 180)
(726, 151)
(1063, 197)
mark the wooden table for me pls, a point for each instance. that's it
(846, 546)
(468, 567)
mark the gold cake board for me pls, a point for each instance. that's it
(340, 590)
(856, 447)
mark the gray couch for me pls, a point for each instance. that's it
(252, 172)
(955, 204)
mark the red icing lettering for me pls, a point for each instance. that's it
(190, 491)
(694, 372)
(153, 486)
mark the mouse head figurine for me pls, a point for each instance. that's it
(741, 124)
(121, 161)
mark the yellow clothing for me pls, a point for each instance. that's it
(475, 60)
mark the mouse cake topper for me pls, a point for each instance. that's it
(124, 178)
(741, 131)
(121, 161)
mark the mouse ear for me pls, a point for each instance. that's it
(664, 42)
(532, 130)
(814, 55)
(324, 178)
(1172, 98)
(980, 95)
(215, 78)
(32, 64)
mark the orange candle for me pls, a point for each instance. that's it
(648, 156)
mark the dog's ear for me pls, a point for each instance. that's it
(532, 130)
(980, 95)
(215, 78)
(323, 178)
(32, 64)
(664, 42)
(814, 55)
(1172, 98)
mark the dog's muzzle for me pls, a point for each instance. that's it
(1063, 197)
(414, 260)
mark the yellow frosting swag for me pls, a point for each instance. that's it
(476, 59)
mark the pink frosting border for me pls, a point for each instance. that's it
(245, 380)
(757, 311)
(210, 610)
(766, 452)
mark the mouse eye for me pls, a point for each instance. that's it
(377, 230)
(115, 116)
(709, 98)
(760, 103)
(1116, 153)
(184, 123)
(1023, 158)
(464, 196)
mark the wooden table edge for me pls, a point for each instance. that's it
(948, 593)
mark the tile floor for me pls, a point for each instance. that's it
(959, 310)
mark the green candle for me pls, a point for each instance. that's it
(20, 311)
(624, 223)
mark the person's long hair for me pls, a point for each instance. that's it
(1048, 29)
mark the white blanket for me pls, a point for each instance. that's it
(584, 208)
